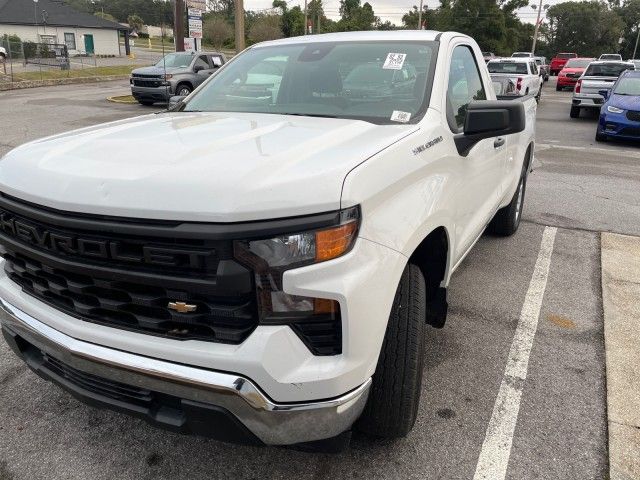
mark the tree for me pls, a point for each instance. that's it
(588, 28)
(482, 20)
(106, 16)
(135, 22)
(292, 19)
(356, 17)
(217, 31)
(265, 27)
(629, 12)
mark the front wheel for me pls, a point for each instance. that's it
(600, 137)
(574, 112)
(558, 88)
(183, 90)
(394, 397)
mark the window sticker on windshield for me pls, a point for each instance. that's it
(394, 61)
(398, 116)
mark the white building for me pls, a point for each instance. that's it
(50, 21)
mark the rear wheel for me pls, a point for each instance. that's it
(394, 397)
(146, 103)
(574, 112)
(507, 219)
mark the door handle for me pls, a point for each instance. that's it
(500, 141)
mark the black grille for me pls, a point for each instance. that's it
(633, 116)
(132, 289)
(631, 131)
(138, 82)
(321, 336)
(108, 388)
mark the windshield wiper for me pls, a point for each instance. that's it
(321, 115)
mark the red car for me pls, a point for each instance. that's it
(558, 62)
(572, 71)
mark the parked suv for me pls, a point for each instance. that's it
(615, 57)
(175, 74)
(543, 67)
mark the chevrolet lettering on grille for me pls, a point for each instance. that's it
(66, 244)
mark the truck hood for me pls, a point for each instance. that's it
(153, 70)
(213, 167)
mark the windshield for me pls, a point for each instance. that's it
(610, 56)
(577, 63)
(507, 67)
(176, 60)
(628, 86)
(607, 69)
(372, 81)
(521, 54)
(566, 55)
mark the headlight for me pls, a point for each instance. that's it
(612, 109)
(269, 258)
(168, 76)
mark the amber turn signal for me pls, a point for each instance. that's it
(335, 242)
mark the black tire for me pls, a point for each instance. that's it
(392, 407)
(507, 220)
(146, 103)
(558, 88)
(183, 90)
(600, 137)
(539, 95)
(574, 112)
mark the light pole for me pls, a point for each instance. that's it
(635, 49)
(420, 16)
(535, 33)
(35, 16)
(306, 18)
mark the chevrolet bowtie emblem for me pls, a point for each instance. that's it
(182, 307)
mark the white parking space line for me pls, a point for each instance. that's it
(496, 448)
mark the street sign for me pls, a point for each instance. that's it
(195, 27)
(199, 4)
(195, 12)
(189, 45)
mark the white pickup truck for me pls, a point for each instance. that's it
(599, 75)
(524, 72)
(260, 264)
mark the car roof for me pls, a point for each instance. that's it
(631, 73)
(609, 62)
(372, 35)
(511, 60)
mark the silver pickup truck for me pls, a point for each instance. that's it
(599, 75)
(175, 74)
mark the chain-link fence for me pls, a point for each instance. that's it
(25, 61)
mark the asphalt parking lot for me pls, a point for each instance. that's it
(579, 188)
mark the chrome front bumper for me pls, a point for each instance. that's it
(271, 423)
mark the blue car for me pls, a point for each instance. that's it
(620, 114)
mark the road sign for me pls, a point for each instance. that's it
(199, 4)
(195, 12)
(195, 27)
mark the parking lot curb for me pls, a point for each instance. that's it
(60, 81)
(620, 297)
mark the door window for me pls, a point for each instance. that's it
(465, 85)
(201, 61)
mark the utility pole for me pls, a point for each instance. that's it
(239, 24)
(635, 49)
(420, 16)
(306, 27)
(535, 33)
(179, 26)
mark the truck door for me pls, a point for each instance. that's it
(480, 172)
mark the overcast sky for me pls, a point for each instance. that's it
(385, 9)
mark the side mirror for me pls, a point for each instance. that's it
(488, 119)
(604, 93)
(175, 101)
(198, 68)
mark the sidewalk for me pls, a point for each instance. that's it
(621, 301)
